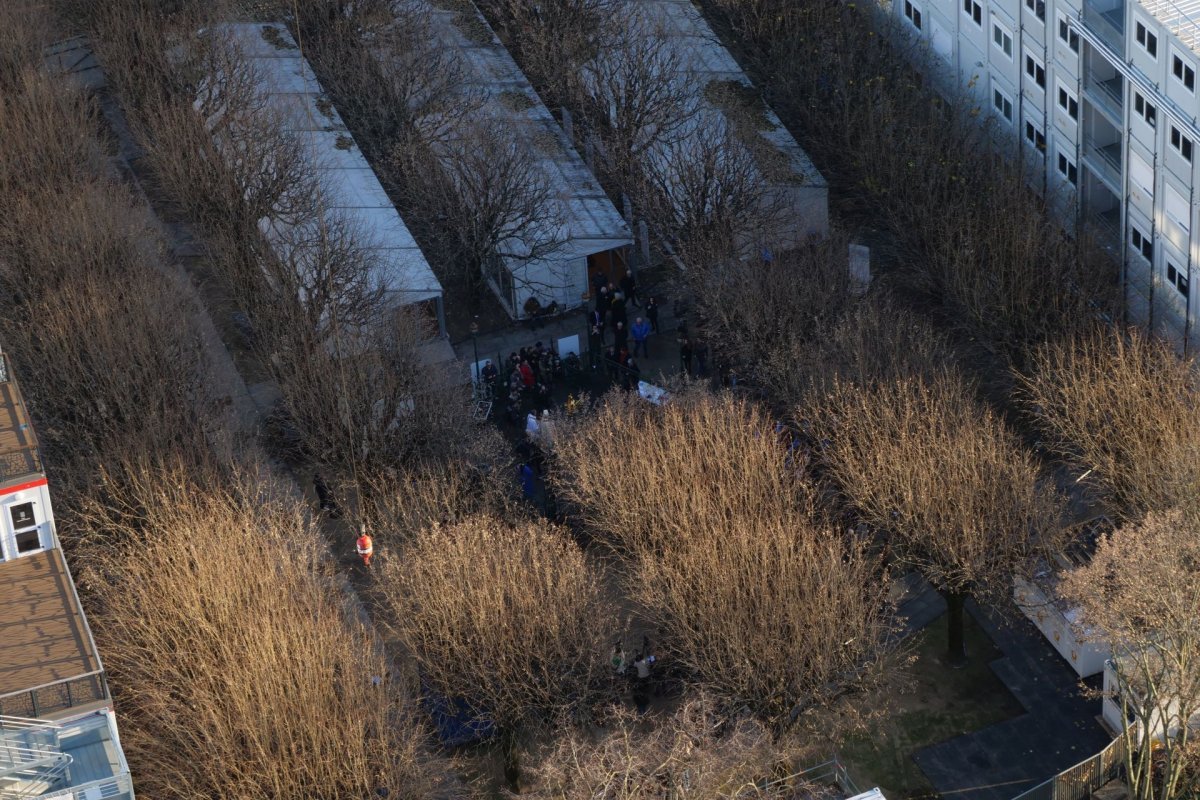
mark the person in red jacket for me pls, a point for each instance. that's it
(365, 547)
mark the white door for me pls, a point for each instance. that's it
(21, 521)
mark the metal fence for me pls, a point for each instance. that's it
(52, 698)
(1078, 782)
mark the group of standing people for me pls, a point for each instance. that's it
(531, 375)
(629, 341)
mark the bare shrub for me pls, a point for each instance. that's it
(487, 198)
(507, 618)
(226, 635)
(694, 754)
(1141, 594)
(631, 97)
(50, 138)
(104, 341)
(762, 604)
(410, 500)
(1121, 408)
(877, 340)
(957, 495)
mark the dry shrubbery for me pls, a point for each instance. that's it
(764, 605)
(510, 618)
(694, 754)
(239, 670)
(1122, 407)
(958, 496)
(506, 617)
(407, 501)
(1141, 594)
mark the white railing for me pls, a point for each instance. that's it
(1181, 23)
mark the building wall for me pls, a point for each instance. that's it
(1074, 93)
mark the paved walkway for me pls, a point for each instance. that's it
(1059, 730)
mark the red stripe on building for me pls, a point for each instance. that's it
(20, 487)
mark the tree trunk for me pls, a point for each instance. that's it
(512, 760)
(956, 652)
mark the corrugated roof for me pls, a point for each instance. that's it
(351, 188)
(584, 208)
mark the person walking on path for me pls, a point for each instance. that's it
(325, 501)
(641, 333)
(528, 481)
(685, 355)
(527, 379)
(364, 546)
(652, 313)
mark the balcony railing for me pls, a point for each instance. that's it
(1108, 93)
(1104, 157)
(51, 698)
(1108, 25)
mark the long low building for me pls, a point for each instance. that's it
(579, 233)
(58, 733)
(351, 191)
(724, 99)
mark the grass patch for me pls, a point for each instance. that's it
(942, 704)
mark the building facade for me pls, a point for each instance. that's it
(1100, 98)
(58, 732)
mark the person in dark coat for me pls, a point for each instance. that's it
(604, 302)
(685, 355)
(325, 501)
(629, 288)
(618, 311)
(701, 352)
(597, 321)
(595, 345)
(652, 313)
(620, 336)
(633, 374)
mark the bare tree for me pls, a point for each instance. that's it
(553, 41)
(633, 97)
(508, 619)
(1121, 408)
(706, 193)
(958, 497)
(489, 201)
(725, 554)
(694, 754)
(1141, 594)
